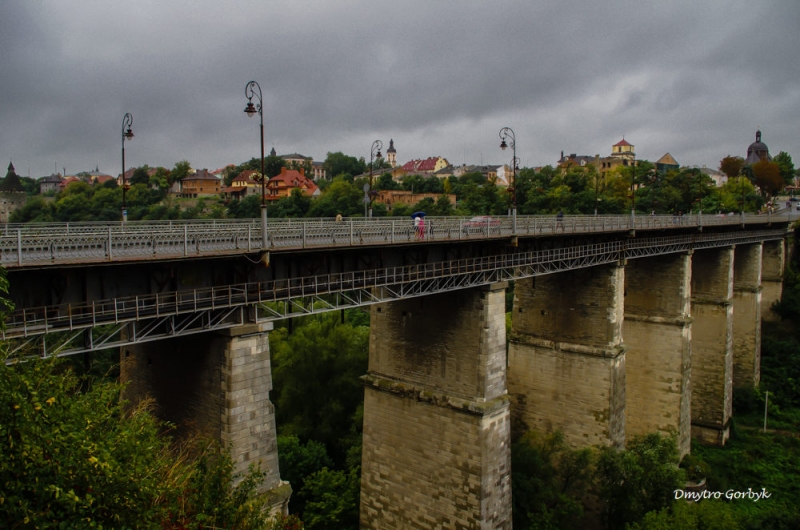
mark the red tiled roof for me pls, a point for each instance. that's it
(621, 143)
(429, 164)
(292, 178)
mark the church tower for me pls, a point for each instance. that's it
(623, 150)
(391, 154)
(757, 151)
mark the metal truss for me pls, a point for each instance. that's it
(71, 329)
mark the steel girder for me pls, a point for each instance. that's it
(106, 324)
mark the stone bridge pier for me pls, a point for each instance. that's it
(215, 385)
(747, 315)
(566, 366)
(772, 266)
(436, 442)
(658, 333)
(712, 344)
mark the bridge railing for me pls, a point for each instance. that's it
(35, 321)
(52, 243)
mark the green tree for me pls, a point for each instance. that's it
(316, 370)
(341, 197)
(273, 164)
(35, 210)
(639, 479)
(295, 205)
(140, 176)
(333, 500)
(340, 164)
(386, 182)
(73, 457)
(180, 170)
(786, 167)
(247, 208)
(547, 479)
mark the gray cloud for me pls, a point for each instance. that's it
(441, 78)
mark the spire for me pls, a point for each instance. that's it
(758, 135)
(10, 166)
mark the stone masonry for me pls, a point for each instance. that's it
(436, 442)
(712, 344)
(215, 385)
(566, 357)
(747, 315)
(658, 335)
(772, 265)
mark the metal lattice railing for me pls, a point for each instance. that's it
(150, 317)
(37, 244)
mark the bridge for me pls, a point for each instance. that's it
(622, 325)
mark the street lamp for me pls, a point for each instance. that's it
(127, 134)
(374, 154)
(633, 190)
(595, 193)
(252, 89)
(506, 133)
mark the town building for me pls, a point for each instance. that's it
(282, 185)
(49, 184)
(666, 163)
(200, 184)
(246, 183)
(392, 198)
(427, 166)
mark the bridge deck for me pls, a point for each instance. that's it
(38, 245)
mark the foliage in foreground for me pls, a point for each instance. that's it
(547, 478)
(74, 458)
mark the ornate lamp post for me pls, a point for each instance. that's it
(374, 154)
(595, 193)
(127, 134)
(506, 133)
(253, 89)
(633, 188)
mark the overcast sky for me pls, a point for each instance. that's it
(688, 77)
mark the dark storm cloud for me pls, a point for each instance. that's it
(441, 78)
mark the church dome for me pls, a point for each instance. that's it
(757, 151)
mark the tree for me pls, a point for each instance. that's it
(180, 170)
(316, 370)
(640, 479)
(731, 165)
(333, 500)
(786, 167)
(768, 177)
(73, 457)
(140, 176)
(273, 164)
(341, 197)
(340, 164)
(547, 479)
